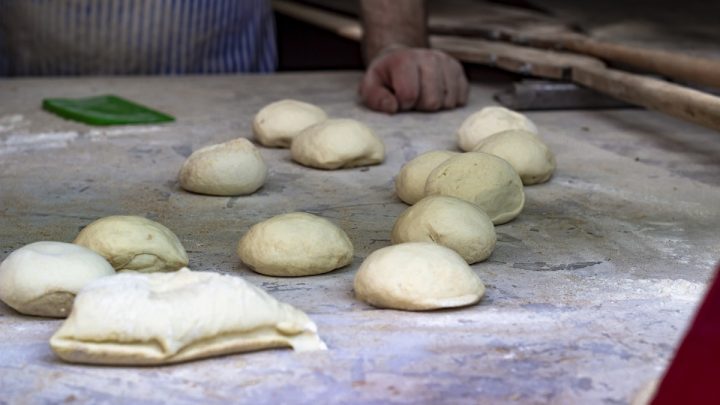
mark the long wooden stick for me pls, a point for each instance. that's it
(343, 26)
(655, 94)
(686, 68)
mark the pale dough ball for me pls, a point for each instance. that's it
(42, 278)
(482, 179)
(448, 221)
(134, 243)
(231, 168)
(417, 276)
(278, 123)
(162, 318)
(337, 143)
(525, 152)
(295, 244)
(410, 182)
(489, 121)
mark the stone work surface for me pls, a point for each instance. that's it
(589, 290)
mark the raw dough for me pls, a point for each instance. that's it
(410, 182)
(448, 221)
(165, 318)
(295, 244)
(489, 121)
(417, 276)
(42, 278)
(278, 123)
(337, 143)
(482, 179)
(231, 168)
(525, 152)
(134, 243)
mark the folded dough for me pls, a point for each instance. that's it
(337, 143)
(417, 276)
(230, 168)
(488, 121)
(482, 179)
(410, 182)
(278, 123)
(160, 318)
(525, 152)
(448, 221)
(295, 244)
(135, 243)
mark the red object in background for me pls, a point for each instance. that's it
(694, 374)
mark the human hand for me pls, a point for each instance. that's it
(401, 79)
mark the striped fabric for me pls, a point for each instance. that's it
(78, 37)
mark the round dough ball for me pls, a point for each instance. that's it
(42, 278)
(337, 143)
(525, 152)
(295, 244)
(450, 222)
(489, 121)
(482, 179)
(134, 243)
(410, 182)
(231, 168)
(278, 123)
(417, 276)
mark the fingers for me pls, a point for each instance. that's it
(456, 84)
(443, 84)
(452, 86)
(433, 84)
(374, 93)
(405, 81)
(414, 79)
(463, 86)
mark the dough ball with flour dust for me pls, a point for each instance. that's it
(410, 182)
(482, 179)
(489, 121)
(42, 278)
(134, 243)
(450, 222)
(338, 143)
(417, 276)
(177, 317)
(227, 169)
(295, 244)
(525, 152)
(278, 123)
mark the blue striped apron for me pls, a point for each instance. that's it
(76, 37)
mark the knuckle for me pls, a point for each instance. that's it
(407, 93)
(432, 103)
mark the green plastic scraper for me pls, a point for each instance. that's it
(104, 110)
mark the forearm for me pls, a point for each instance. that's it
(393, 23)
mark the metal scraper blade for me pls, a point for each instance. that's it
(554, 95)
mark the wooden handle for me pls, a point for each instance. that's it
(686, 68)
(346, 27)
(654, 94)
(514, 58)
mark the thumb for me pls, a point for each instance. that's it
(375, 95)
